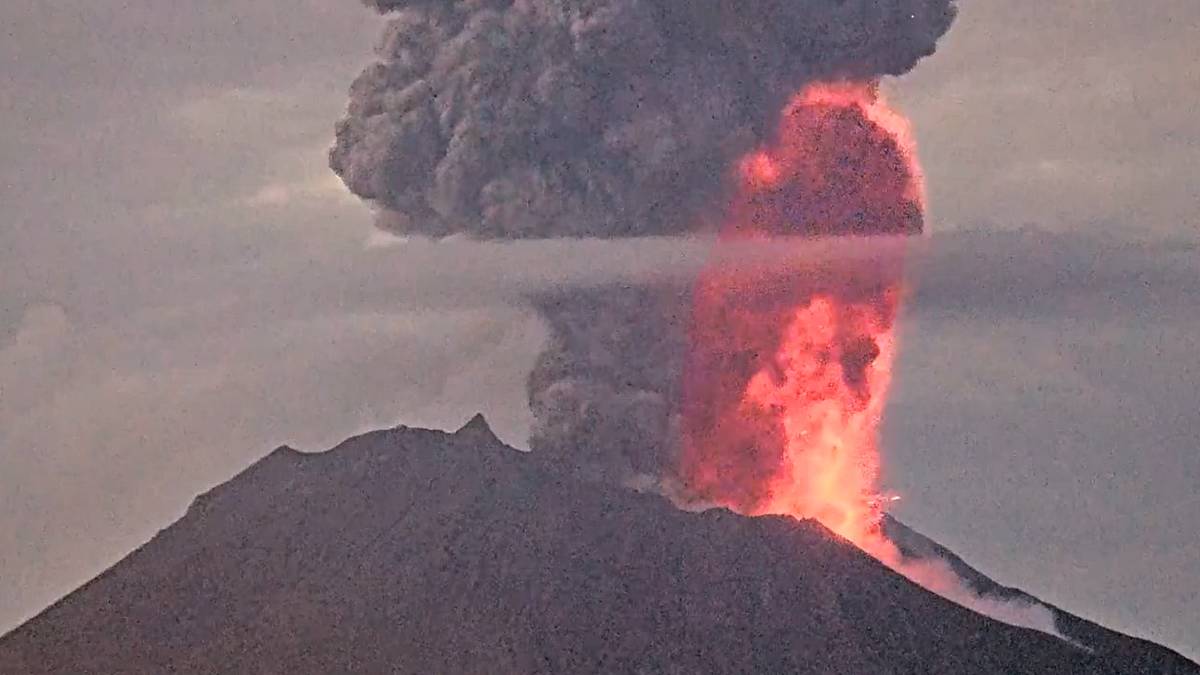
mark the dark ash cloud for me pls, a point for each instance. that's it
(599, 118)
(605, 390)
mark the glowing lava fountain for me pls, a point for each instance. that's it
(787, 372)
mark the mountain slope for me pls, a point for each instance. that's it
(1128, 654)
(418, 551)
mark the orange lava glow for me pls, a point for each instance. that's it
(787, 373)
(830, 464)
(872, 103)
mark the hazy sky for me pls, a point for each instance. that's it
(184, 285)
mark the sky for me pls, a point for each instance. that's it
(184, 286)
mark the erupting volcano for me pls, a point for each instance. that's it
(787, 374)
(756, 386)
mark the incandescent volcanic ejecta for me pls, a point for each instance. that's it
(513, 119)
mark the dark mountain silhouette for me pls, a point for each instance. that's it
(418, 551)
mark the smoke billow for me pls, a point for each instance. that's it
(605, 391)
(594, 118)
(505, 119)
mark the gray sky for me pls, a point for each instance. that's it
(184, 285)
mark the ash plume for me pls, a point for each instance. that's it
(604, 393)
(594, 118)
(503, 119)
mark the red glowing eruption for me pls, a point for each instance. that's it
(787, 374)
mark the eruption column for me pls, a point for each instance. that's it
(787, 373)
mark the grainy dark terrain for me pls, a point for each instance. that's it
(418, 551)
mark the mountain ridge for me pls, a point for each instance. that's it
(424, 551)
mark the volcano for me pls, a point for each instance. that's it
(418, 551)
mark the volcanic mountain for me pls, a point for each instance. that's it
(416, 551)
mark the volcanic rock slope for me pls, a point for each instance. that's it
(417, 551)
(1128, 654)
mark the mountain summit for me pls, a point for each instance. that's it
(416, 551)
(478, 430)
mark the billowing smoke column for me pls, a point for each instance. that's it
(606, 390)
(607, 118)
(504, 119)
